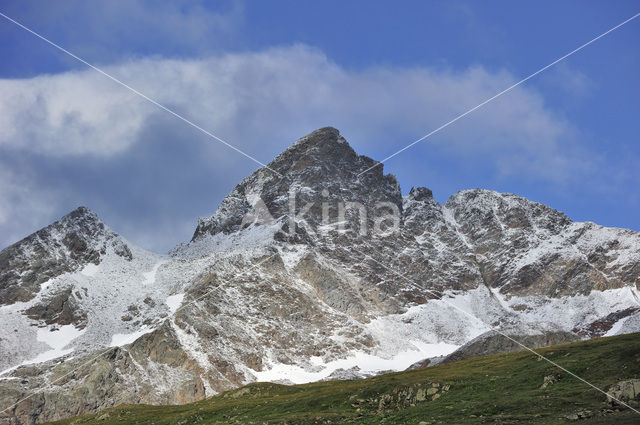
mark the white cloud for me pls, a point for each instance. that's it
(68, 114)
(284, 91)
(260, 102)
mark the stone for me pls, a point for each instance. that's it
(627, 391)
(548, 380)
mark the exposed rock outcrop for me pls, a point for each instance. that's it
(627, 391)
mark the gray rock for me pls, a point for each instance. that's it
(627, 391)
(77, 239)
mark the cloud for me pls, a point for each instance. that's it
(274, 92)
(567, 79)
(260, 102)
(75, 113)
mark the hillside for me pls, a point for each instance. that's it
(502, 388)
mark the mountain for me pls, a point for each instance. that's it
(313, 267)
(76, 240)
(75, 285)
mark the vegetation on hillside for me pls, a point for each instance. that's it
(501, 389)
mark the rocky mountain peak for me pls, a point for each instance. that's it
(83, 220)
(310, 159)
(325, 138)
(488, 209)
(420, 194)
(81, 212)
(324, 146)
(320, 167)
(77, 239)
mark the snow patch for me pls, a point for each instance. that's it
(257, 236)
(567, 313)
(118, 340)
(617, 327)
(174, 301)
(291, 257)
(367, 363)
(150, 277)
(48, 283)
(57, 339)
(90, 270)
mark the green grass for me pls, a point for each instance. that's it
(500, 389)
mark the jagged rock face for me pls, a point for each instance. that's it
(527, 248)
(477, 238)
(60, 308)
(79, 238)
(319, 168)
(118, 376)
(248, 299)
(75, 280)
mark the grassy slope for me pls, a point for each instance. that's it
(503, 388)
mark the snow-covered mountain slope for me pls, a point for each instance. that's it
(87, 287)
(526, 248)
(266, 290)
(73, 242)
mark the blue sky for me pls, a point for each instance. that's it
(262, 74)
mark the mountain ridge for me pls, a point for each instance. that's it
(255, 297)
(73, 241)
